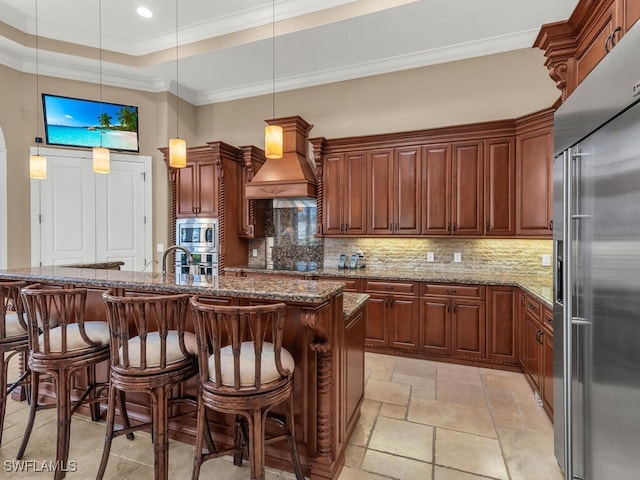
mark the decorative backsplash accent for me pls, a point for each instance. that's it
(477, 255)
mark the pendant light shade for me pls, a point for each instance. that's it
(38, 167)
(177, 153)
(273, 141)
(101, 160)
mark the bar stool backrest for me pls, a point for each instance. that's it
(157, 321)
(50, 308)
(238, 346)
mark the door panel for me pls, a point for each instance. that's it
(380, 188)
(467, 200)
(186, 191)
(436, 189)
(435, 316)
(376, 329)
(332, 171)
(207, 189)
(468, 323)
(404, 323)
(407, 194)
(500, 182)
(354, 191)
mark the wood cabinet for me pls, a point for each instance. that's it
(453, 176)
(344, 194)
(392, 314)
(537, 349)
(534, 177)
(575, 47)
(353, 386)
(394, 191)
(500, 187)
(211, 186)
(197, 187)
(502, 332)
(453, 321)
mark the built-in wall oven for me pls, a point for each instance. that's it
(200, 237)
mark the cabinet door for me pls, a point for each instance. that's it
(499, 187)
(534, 192)
(591, 48)
(467, 189)
(354, 190)
(207, 189)
(403, 326)
(353, 365)
(501, 325)
(531, 355)
(186, 190)
(631, 13)
(468, 328)
(435, 314)
(380, 202)
(546, 378)
(407, 191)
(332, 171)
(436, 189)
(376, 328)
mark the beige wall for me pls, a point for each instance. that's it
(493, 87)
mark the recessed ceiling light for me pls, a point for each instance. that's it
(144, 12)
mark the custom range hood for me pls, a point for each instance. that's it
(289, 176)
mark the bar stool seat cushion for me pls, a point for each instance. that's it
(96, 331)
(268, 369)
(174, 353)
(12, 325)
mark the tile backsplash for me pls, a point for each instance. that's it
(476, 255)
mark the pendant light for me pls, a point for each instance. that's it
(37, 163)
(273, 135)
(101, 155)
(177, 146)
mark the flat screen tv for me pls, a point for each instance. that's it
(75, 122)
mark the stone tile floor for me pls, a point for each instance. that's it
(420, 420)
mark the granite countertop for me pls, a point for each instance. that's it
(540, 286)
(351, 302)
(298, 291)
(100, 265)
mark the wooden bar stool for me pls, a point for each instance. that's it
(244, 370)
(154, 359)
(14, 339)
(61, 342)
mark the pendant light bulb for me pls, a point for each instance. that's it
(177, 153)
(273, 141)
(101, 160)
(38, 167)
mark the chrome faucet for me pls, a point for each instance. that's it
(166, 252)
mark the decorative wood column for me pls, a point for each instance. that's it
(318, 151)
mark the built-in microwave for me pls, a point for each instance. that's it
(197, 232)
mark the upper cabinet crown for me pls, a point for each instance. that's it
(573, 48)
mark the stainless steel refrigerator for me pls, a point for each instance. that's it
(597, 278)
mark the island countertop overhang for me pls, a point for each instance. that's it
(291, 291)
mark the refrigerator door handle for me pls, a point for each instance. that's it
(568, 172)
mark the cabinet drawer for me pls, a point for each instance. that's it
(350, 284)
(547, 320)
(468, 291)
(402, 288)
(533, 307)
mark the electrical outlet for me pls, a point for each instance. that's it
(254, 252)
(430, 257)
(457, 257)
(160, 247)
(546, 260)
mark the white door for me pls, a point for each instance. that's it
(78, 216)
(120, 228)
(67, 212)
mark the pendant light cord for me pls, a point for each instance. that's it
(177, 72)
(273, 58)
(37, 83)
(100, 61)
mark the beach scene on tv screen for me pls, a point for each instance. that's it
(86, 123)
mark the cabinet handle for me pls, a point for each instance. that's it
(455, 226)
(613, 36)
(396, 227)
(538, 332)
(389, 287)
(488, 227)
(452, 292)
(551, 225)
(606, 43)
(448, 308)
(449, 227)
(455, 308)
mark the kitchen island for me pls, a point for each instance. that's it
(328, 348)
